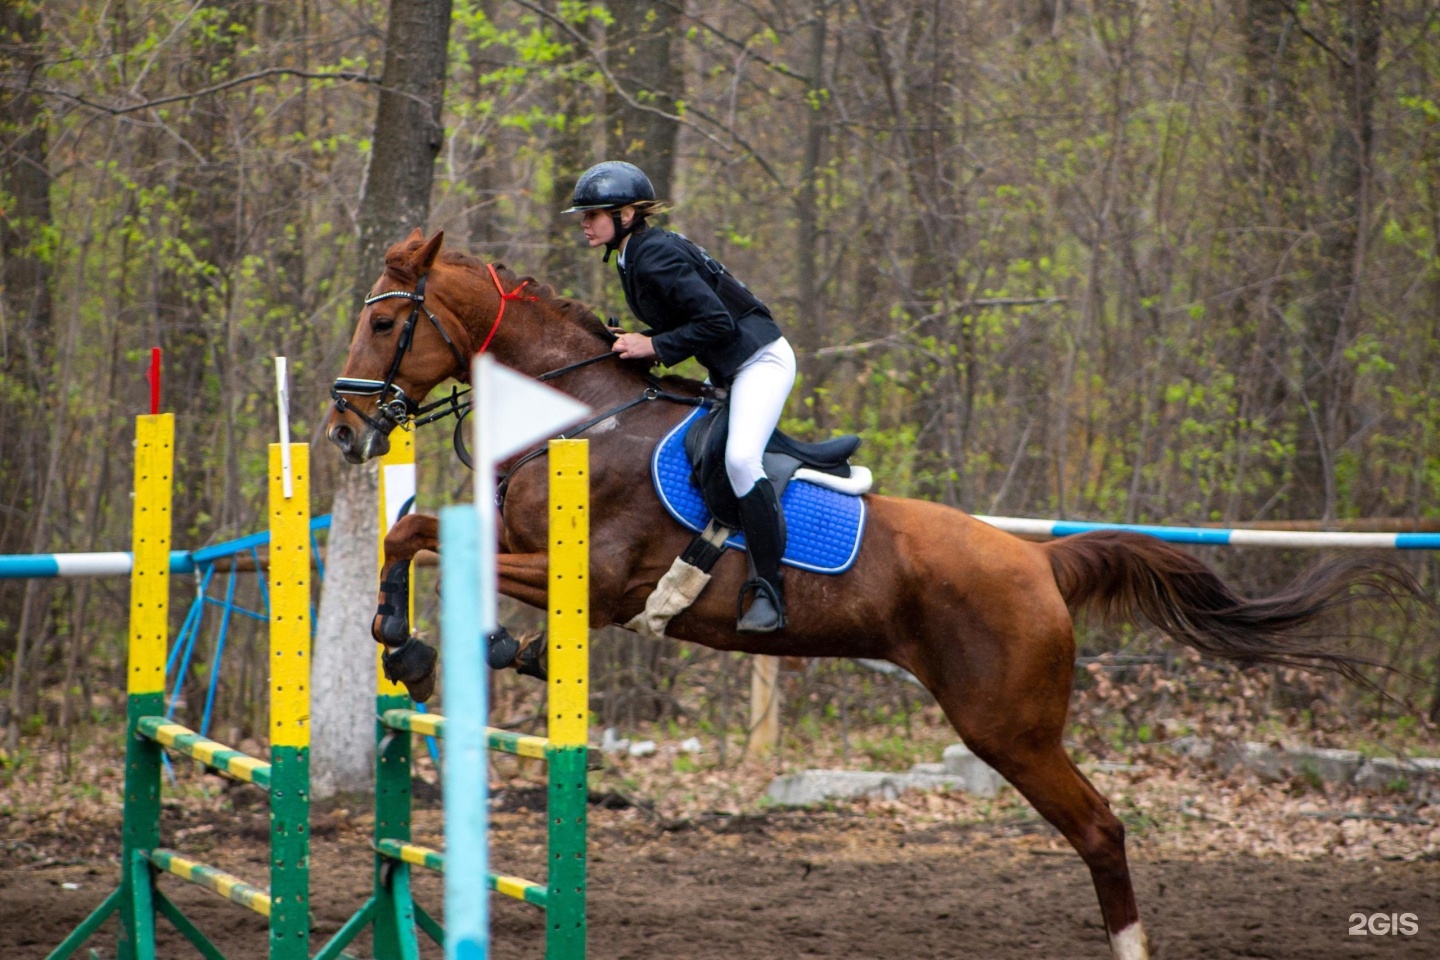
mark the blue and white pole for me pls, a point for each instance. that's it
(1214, 537)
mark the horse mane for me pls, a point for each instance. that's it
(398, 268)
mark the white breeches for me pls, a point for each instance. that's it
(757, 398)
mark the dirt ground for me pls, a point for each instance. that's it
(852, 881)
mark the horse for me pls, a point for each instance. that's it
(982, 618)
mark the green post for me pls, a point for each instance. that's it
(141, 824)
(392, 822)
(565, 896)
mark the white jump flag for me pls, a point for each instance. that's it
(511, 412)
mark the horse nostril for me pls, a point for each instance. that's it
(343, 437)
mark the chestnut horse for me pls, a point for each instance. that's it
(982, 618)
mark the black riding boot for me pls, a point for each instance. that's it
(764, 527)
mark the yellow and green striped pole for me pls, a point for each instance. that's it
(290, 706)
(569, 667)
(145, 683)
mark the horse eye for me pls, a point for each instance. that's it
(382, 324)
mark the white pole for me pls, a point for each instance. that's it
(282, 407)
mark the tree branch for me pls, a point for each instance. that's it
(1294, 12)
(79, 100)
(744, 45)
(629, 99)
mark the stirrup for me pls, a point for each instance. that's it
(769, 595)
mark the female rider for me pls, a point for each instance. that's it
(695, 308)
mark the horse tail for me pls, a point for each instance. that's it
(1120, 574)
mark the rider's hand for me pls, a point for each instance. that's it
(633, 346)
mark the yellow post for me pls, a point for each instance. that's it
(150, 541)
(569, 617)
(290, 600)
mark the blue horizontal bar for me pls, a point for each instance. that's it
(24, 566)
(1417, 541)
(1197, 535)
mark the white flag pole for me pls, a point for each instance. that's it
(282, 404)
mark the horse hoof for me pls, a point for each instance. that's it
(532, 661)
(423, 689)
(412, 663)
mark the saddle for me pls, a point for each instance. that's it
(825, 463)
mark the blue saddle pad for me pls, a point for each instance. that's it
(823, 527)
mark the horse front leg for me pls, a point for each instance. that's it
(407, 659)
(523, 577)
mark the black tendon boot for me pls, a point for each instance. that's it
(764, 527)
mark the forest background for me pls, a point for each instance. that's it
(1126, 261)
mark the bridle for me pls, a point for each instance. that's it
(395, 408)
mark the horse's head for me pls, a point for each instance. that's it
(406, 343)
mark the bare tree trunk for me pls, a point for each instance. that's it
(343, 680)
(640, 52)
(807, 229)
(1331, 313)
(406, 139)
(25, 351)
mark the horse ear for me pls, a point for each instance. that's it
(425, 256)
(416, 234)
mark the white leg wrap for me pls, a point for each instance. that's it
(1130, 943)
(673, 595)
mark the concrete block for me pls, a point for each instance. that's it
(1193, 746)
(817, 786)
(933, 769)
(1384, 773)
(1277, 764)
(979, 777)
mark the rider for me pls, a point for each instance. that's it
(696, 308)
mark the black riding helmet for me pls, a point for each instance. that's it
(610, 186)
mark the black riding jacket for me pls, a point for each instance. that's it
(692, 304)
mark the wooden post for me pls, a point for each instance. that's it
(764, 705)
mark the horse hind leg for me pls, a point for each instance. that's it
(1017, 729)
(1049, 779)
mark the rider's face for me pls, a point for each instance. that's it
(599, 226)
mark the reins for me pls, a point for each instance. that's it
(651, 392)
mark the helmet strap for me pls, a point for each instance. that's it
(621, 231)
